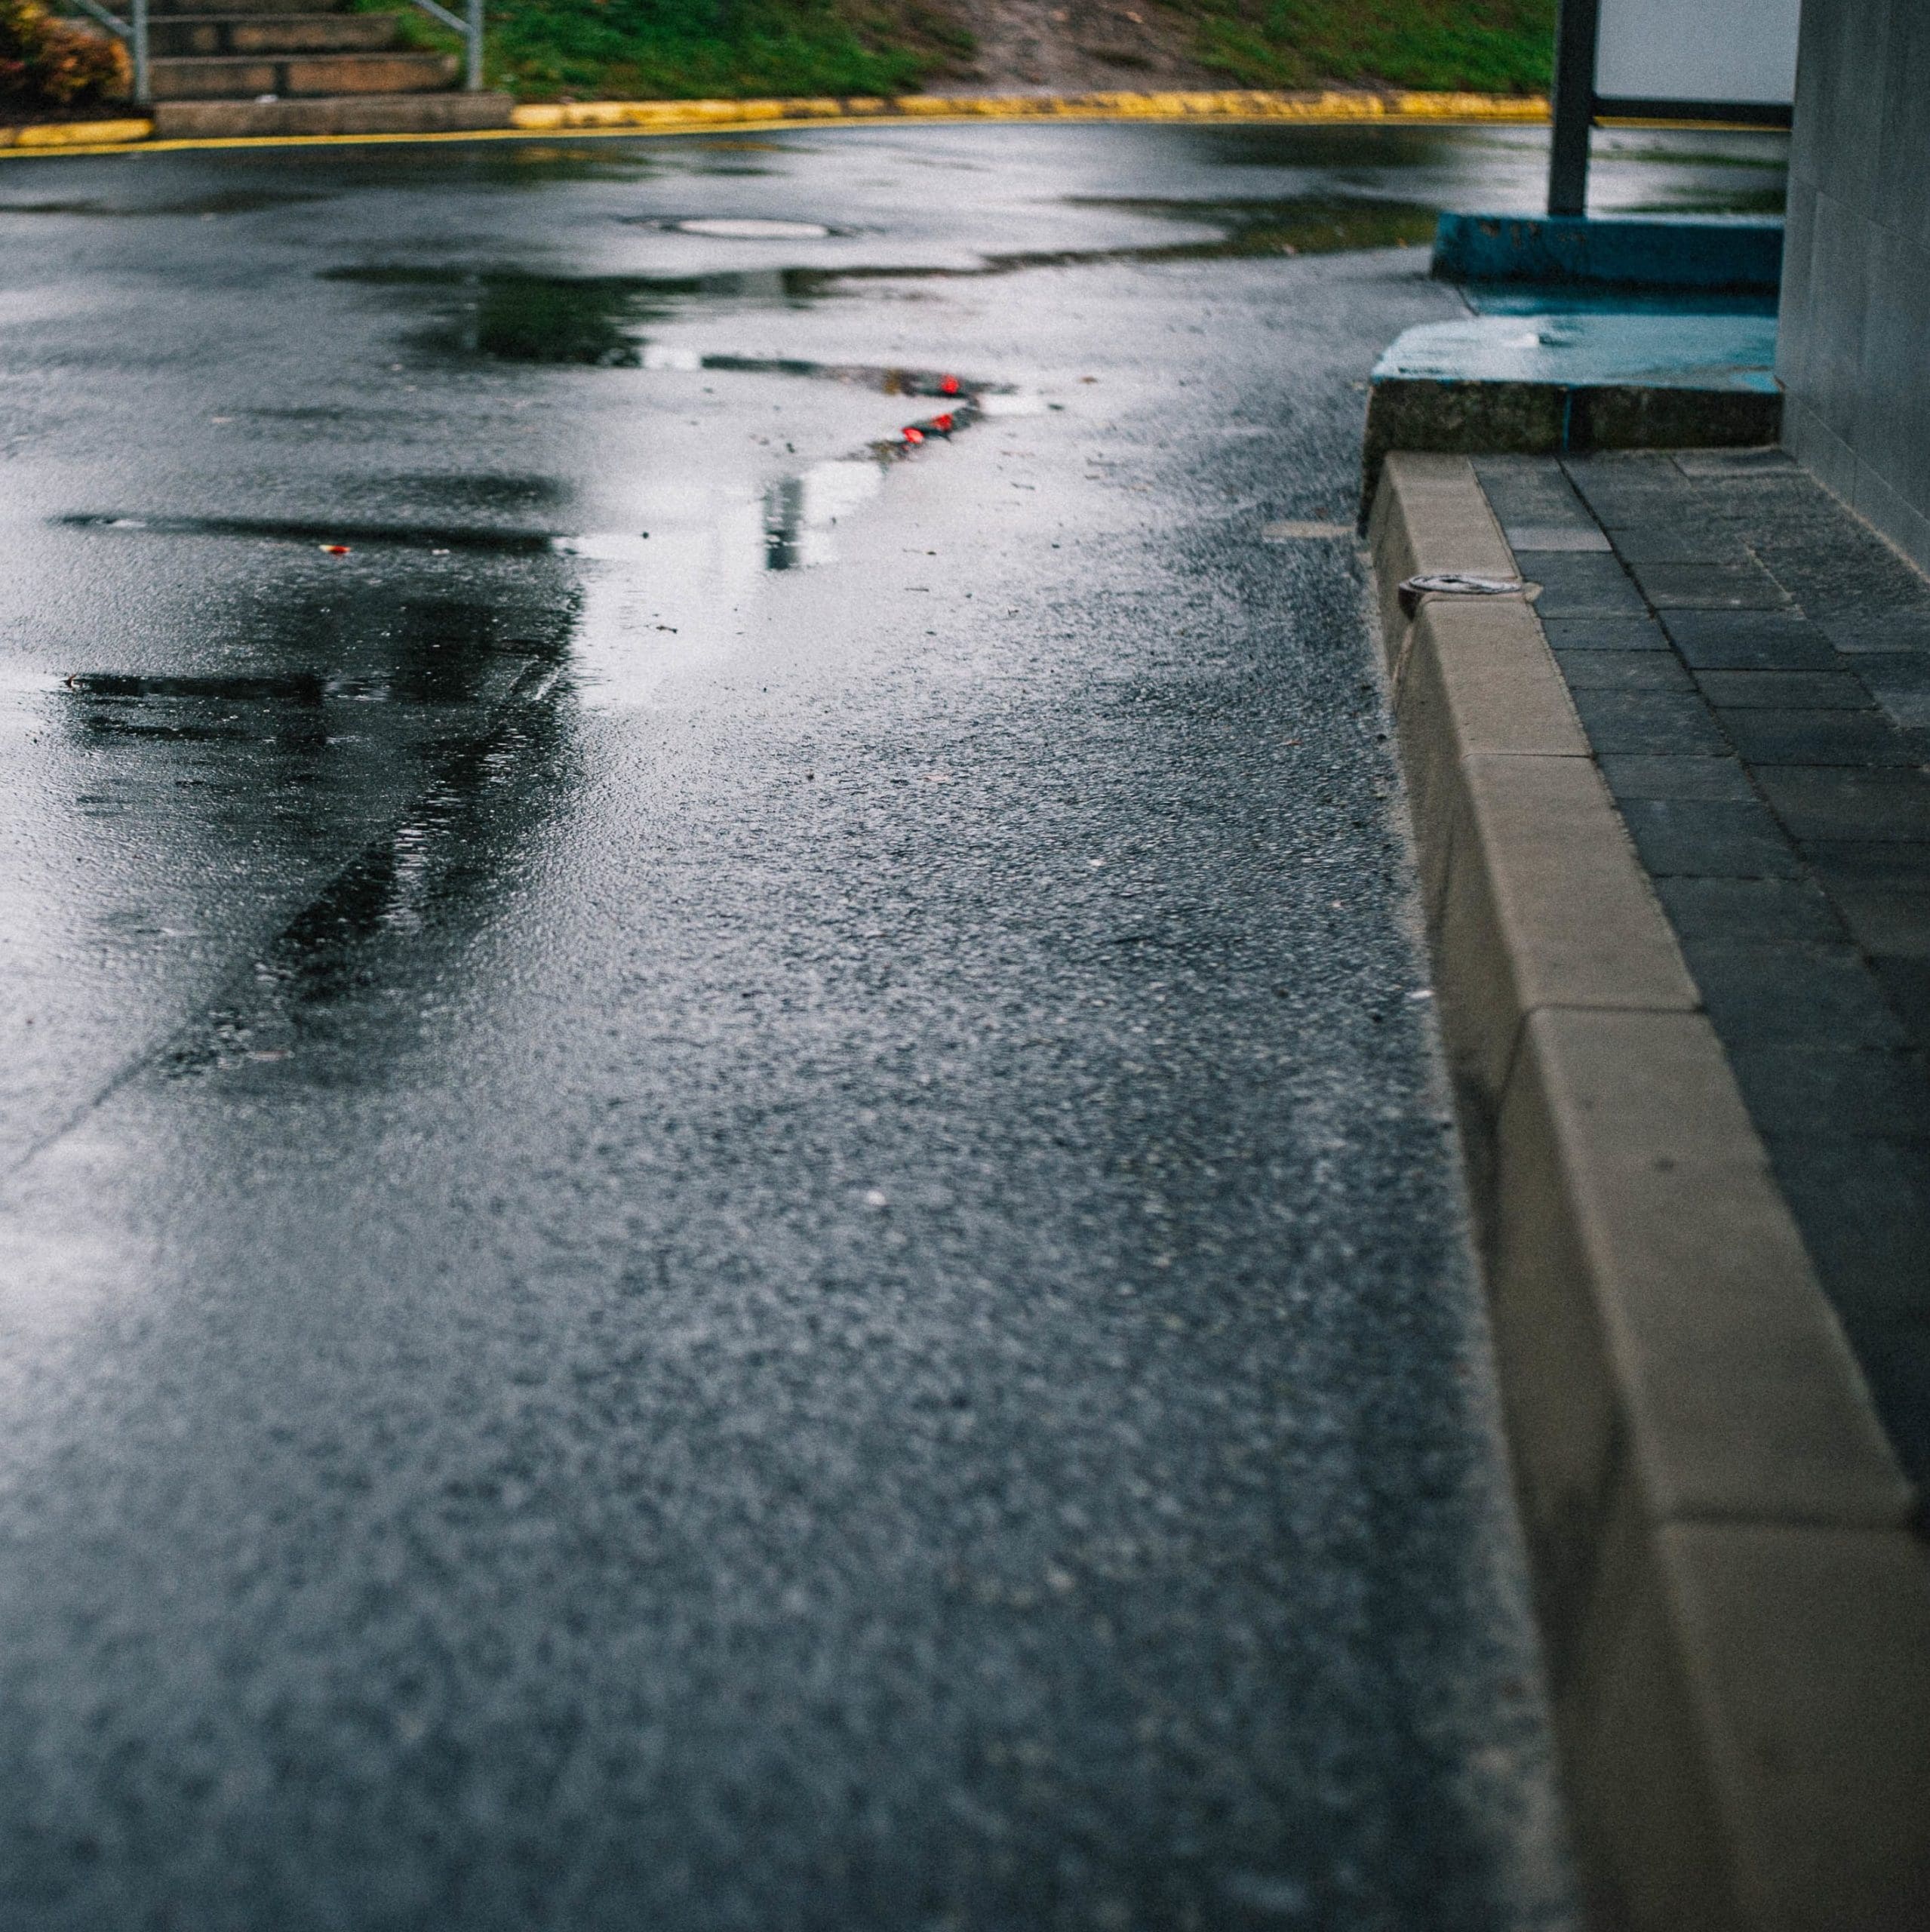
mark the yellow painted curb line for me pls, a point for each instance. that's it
(635, 118)
(1335, 106)
(76, 133)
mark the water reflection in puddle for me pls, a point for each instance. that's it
(651, 600)
(514, 315)
(730, 228)
(801, 512)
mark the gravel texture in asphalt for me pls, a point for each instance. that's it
(727, 1202)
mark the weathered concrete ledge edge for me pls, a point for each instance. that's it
(1735, 1613)
(1734, 252)
(1335, 106)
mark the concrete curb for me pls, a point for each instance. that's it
(1334, 107)
(1737, 1617)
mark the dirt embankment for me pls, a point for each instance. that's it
(1080, 47)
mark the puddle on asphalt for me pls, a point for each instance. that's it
(511, 315)
(234, 201)
(729, 228)
(652, 599)
(1302, 225)
(425, 743)
(327, 979)
(518, 315)
(1742, 200)
(343, 531)
(292, 688)
(801, 512)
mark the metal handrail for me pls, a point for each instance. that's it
(470, 28)
(134, 31)
(468, 25)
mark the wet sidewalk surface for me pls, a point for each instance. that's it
(1752, 666)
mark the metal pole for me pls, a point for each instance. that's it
(1574, 105)
(472, 77)
(139, 38)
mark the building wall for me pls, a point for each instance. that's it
(1854, 348)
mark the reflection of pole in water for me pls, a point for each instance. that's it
(784, 518)
(801, 512)
(369, 773)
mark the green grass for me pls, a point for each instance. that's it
(716, 49)
(695, 49)
(1487, 46)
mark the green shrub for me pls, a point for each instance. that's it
(46, 62)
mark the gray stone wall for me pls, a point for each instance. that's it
(1854, 351)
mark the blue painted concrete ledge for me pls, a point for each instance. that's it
(1576, 380)
(1682, 352)
(1731, 253)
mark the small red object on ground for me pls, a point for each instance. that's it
(336, 549)
(947, 385)
(913, 434)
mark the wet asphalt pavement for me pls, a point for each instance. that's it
(726, 1202)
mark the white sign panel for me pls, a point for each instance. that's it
(1698, 49)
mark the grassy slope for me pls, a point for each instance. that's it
(645, 49)
(1493, 46)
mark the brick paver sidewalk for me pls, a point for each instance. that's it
(1752, 666)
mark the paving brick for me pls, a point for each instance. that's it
(1624, 671)
(1603, 633)
(1895, 670)
(1656, 722)
(1862, 1209)
(1719, 839)
(1818, 1093)
(1734, 463)
(1784, 994)
(1895, 866)
(1624, 492)
(1895, 1359)
(1709, 586)
(1529, 490)
(1910, 711)
(1879, 630)
(1576, 585)
(1672, 540)
(1900, 682)
(1826, 802)
(1640, 776)
(1749, 908)
(1750, 641)
(1906, 985)
(1784, 690)
(1861, 738)
(1882, 920)
(1528, 540)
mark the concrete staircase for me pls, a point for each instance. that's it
(301, 67)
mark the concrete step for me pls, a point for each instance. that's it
(454, 112)
(299, 76)
(190, 35)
